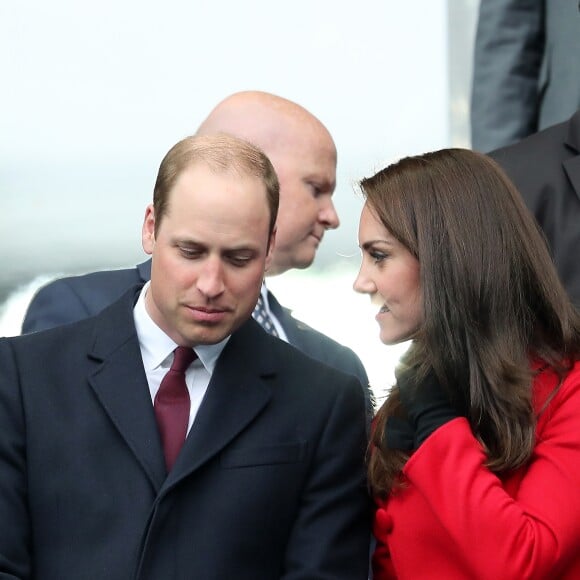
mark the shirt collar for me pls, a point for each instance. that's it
(156, 346)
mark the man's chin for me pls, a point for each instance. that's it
(293, 263)
(203, 336)
(304, 263)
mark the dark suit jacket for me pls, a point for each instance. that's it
(545, 167)
(269, 484)
(526, 70)
(77, 297)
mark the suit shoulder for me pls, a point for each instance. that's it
(323, 348)
(316, 337)
(305, 361)
(94, 290)
(54, 340)
(319, 345)
(539, 147)
(101, 277)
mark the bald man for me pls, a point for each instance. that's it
(303, 154)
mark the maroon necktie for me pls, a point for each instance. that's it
(172, 405)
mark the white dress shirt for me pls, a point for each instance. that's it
(157, 354)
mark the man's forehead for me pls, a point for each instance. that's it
(204, 178)
(214, 169)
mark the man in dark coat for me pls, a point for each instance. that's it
(304, 157)
(545, 167)
(246, 463)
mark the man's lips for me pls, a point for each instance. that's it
(207, 313)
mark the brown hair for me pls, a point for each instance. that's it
(491, 300)
(219, 152)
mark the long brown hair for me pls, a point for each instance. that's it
(491, 299)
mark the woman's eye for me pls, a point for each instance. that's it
(377, 256)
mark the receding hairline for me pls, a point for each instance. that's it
(220, 153)
(221, 150)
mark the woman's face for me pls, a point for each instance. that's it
(389, 273)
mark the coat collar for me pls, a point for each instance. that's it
(144, 270)
(295, 329)
(572, 164)
(282, 314)
(238, 391)
(573, 135)
(119, 382)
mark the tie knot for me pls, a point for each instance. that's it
(183, 356)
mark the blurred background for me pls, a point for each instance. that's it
(94, 94)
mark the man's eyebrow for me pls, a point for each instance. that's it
(322, 182)
(193, 243)
(233, 250)
(189, 241)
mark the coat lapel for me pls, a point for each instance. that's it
(119, 381)
(237, 393)
(144, 270)
(572, 165)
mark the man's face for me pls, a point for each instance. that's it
(209, 255)
(306, 168)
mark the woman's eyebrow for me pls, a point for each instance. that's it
(370, 243)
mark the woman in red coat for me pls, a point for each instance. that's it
(475, 455)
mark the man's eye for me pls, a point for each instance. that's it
(190, 253)
(316, 190)
(239, 261)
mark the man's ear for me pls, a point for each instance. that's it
(148, 230)
(271, 245)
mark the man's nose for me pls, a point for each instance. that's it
(210, 281)
(328, 215)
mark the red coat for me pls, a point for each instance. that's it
(457, 520)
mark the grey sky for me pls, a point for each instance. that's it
(95, 93)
